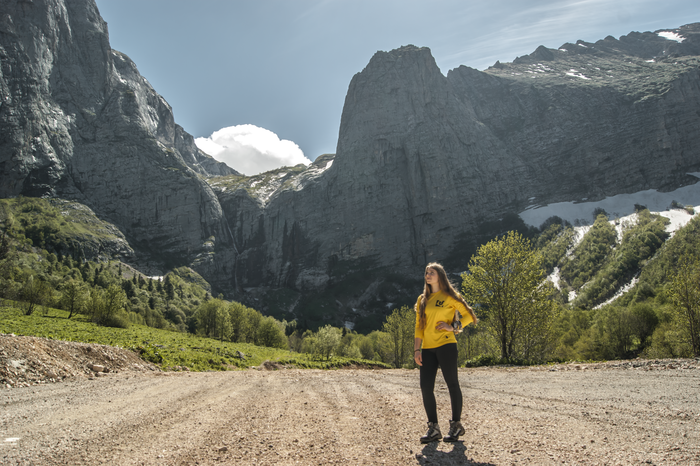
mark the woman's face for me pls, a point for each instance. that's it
(431, 276)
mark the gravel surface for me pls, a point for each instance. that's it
(639, 412)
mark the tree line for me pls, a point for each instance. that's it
(523, 316)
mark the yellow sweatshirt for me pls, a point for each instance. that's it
(440, 307)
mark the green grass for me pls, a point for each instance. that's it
(164, 348)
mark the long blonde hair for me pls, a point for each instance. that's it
(446, 286)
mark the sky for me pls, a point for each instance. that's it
(262, 82)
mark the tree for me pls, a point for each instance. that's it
(74, 297)
(685, 295)
(245, 322)
(169, 288)
(506, 282)
(618, 331)
(222, 328)
(327, 340)
(644, 323)
(270, 333)
(95, 303)
(206, 316)
(104, 306)
(400, 326)
(114, 302)
(34, 293)
(4, 245)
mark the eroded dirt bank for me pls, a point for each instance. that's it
(604, 415)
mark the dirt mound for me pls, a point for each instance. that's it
(26, 361)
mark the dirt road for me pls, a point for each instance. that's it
(526, 416)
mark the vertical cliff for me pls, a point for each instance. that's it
(77, 120)
(425, 163)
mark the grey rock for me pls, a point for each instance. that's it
(427, 163)
(79, 122)
(427, 166)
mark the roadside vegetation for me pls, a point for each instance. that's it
(48, 287)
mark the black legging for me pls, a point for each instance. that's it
(445, 357)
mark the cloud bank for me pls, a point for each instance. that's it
(251, 150)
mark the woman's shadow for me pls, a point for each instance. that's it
(458, 455)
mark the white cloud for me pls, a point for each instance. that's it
(251, 150)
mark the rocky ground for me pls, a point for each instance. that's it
(28, 361)
(621, 412)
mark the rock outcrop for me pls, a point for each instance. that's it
(78, 121)
(425, 163)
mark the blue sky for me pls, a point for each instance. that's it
(285, 65)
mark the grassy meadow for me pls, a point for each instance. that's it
(165, 348)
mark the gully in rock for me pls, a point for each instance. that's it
(440, 314)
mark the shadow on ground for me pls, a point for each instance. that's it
(458, 455)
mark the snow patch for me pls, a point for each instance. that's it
(617, 206)
(575, 74)
(670, 35)
(579, 233)
(619, 293)
(678, 219)
(554, 278)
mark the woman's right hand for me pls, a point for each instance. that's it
(418, 357)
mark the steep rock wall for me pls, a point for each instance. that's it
(78, 121)
(424, 164)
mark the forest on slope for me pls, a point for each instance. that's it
(43, 264)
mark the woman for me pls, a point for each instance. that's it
(440, 313)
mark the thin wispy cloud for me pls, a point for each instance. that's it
(301, 55)
(523, 26)
(251, 150)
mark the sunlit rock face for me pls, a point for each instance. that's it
(77, 120)
(424, 158)
(426, 166)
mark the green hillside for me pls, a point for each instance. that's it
(59, 279)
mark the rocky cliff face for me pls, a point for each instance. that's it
(425, 163)
(78, 121)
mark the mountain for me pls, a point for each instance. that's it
(427, 166)
(78, 121)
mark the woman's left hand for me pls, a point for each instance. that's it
(444, 326)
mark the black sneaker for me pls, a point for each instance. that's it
(456, 430)
(433, 433)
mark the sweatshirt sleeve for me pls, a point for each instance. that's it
(419, 331)
(466, 317)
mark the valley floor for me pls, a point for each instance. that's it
(569, 414)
